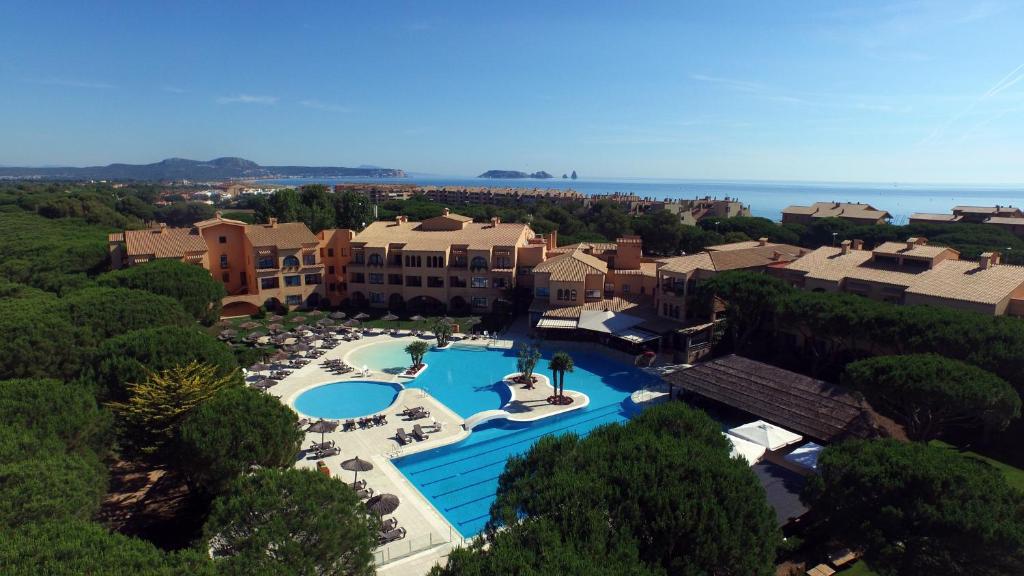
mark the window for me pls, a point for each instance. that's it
(413, 281)
(625, 288)
(222, 239)
(330, 269)
(376, 278)
(413, 261)
(595, 294)
(479, 282)
(395, 279)
(291, 262)
(376, 297)
(560, 295)
(524, 270)
(691, 285)
(313, 279)
(375, 260)
(332, 287)
(293, 280)
(499, 282)
(543, 292)
(225, 277)
(572, 295)
(358, 278)
(504, 262)
(330, 252)
(266, 263)
(223, 260)
(358, 258)
(479, 302)
(309, 259)
(478, 263)
(293, 300)
(435, 282)
(270, 283)
(456, 282)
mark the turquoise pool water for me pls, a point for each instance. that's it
(461, 479)
(347, 399)
(388, 356)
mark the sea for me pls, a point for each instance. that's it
(766, 199)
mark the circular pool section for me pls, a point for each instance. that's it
(388, 357)
(347, 399)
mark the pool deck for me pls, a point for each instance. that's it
(429, 536)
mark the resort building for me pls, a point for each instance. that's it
(971, 214)
(854, 212)
(274, 264)
(693, 210)
(444, 263)
(911, 272)
(455, 195)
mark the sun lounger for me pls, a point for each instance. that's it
(388, 525)
(407, 411)
(332, 451)
(350, 424)
(418, 414)
(418, 433)
(392, 535)
(320, 446)
(359, 485)
(402, 437)
(365, 493)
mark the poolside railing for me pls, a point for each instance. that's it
(413, 545)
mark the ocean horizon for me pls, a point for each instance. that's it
(765, 198)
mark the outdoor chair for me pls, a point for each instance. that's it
(332, 451)
(418, 433)
(402, 437)
(388, 525)
(392, 535)
(350, 424)
(418, 414)
(365, 493)
(359, 485)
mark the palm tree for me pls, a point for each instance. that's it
(560, 363)
(529, 354)
(417, 350)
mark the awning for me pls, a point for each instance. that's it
(806, 456)
(606, 321)
(264, 252)
(636, 335)
(745, 449)
(560, 323)
(768, 435)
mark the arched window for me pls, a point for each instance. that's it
(375, 260)
(291, 261)
(478, 262)
(560, 294)
(572, 295)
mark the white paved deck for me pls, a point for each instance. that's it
(429, 536)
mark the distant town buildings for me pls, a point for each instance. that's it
(693, 210)
(1008, 218)
(854, 212)
(379, 193)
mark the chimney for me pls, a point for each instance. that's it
(762, 241)
(272, 222)
(446, 212)
(988, 260)
(552, 239)
(218, 214)
(858, 244)
(845, 246)
(163, 227)
(495, 220)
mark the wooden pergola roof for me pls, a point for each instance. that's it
(802, 404)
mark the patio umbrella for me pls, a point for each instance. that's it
(280, 355)
(325, 322)
(352, 323)
(361, 316)
(357, 465)
(274, 318)
(227, 334)
(253, 336)
(264, 384)
(389, 317)
(275, 327)
(382, 504)
(249, 325)
(299, 319)
(338, 316)
(417, 318)
(258, 367)
(322, 426)
(764, 434)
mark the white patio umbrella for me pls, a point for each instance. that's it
(746, 449)
(806, 456)
(764, 434)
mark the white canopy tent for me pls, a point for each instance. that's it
(746, 449)
(806, 456)
(559, 323)
(607, 321)
(764, 434)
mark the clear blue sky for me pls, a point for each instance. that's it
(828, 91)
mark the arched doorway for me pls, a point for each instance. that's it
(235, 309)
(458, 306)
(358, 300)
(273, 305)
(313, 300)
(426, 305)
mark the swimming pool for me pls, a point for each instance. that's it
(388, 356)
(347, 399)
(460, 480)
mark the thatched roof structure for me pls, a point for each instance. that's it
(811, 407)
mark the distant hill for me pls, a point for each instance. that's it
(514, 174)
(184, 169)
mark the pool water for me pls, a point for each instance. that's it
(387, 357)
(460, 480)
(347, 399)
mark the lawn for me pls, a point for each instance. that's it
(859, 569)
(1014, 476)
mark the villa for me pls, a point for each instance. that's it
(1006, 216)
(911, 272)
(856, 213)
(693, 210)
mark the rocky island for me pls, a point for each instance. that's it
(514, 174)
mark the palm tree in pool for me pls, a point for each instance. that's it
(560, 363)
(416, 351)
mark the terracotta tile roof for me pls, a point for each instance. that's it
(838, 210)
(217, 220)
(962, 280)
(474, 235)
(733, 246)
(115, 237)
(592, 247)
(615, 304)
(1006, 220)
(987, 209)
(919, 250)
(163, 242)
(727, 257)
(284, 235)
(571, 267)
(936, 217)
(646, 269)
